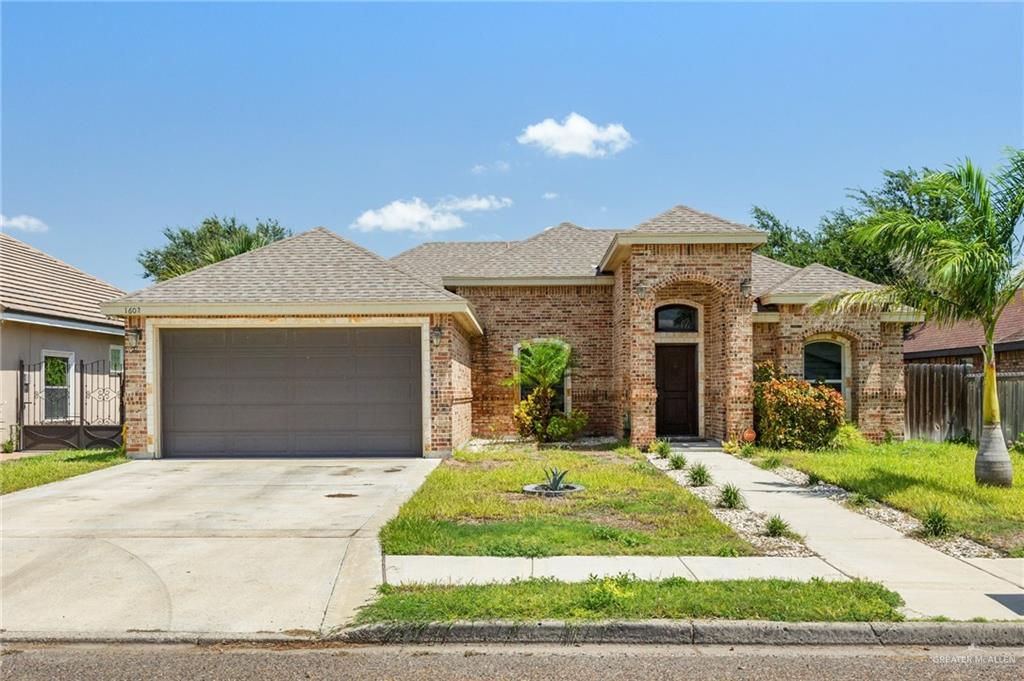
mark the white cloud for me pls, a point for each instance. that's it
(549, 196)
(23, 223)
(417, 216)
(497, 167)
(576, 135)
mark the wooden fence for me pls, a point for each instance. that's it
(944, 402)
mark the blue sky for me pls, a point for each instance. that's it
(119, 120)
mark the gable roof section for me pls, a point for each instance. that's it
(967, 337)
(35, 283)
(682, 219)
(811, 282)
(566, 252)
(766, 273)
(312, 272)
(431, 261)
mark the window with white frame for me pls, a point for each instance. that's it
(827, 361)
(58, 383)
(562, 401)
(116, 362)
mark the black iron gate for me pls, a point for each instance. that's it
(63, 405)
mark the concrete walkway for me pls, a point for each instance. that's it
(932, 583)
(485, 569)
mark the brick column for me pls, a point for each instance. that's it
(136, 437)
(739, 354)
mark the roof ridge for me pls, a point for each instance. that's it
(58, 260)
(709, 215)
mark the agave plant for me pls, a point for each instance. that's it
(555, 479)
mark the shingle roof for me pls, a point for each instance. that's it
(317, 266)
(766, 273)
(431, 261)
(33, 282)
(683, 219)
(566, 250)
(933, 337)
(819, 279)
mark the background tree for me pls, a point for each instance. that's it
(963, 265)
(215, 239)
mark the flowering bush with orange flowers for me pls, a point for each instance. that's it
(791, 413)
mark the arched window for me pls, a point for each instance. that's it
(676, 319)
(562, 400)
(828, 362)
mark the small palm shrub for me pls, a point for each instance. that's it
(731, 497)
(790, 413)
(936, 523)
(777, 527)
(541, 367)
(677, 462)
(659, 448)
(699, 476)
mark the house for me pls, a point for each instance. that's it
(51, 327)
(314, 345)
(961, 343)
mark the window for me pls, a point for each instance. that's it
(116, 360)
(676, 319)
(823, 362)
(57, 384)
(561, 401)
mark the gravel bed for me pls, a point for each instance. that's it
(746, 523)
(906, 524)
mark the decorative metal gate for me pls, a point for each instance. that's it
(63, 405)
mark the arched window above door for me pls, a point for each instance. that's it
(676, 319)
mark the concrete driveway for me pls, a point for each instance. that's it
(212, 546)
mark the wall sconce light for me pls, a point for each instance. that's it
(745, 288)
(132, 338)
(436, 334)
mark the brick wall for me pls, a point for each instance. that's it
(766, 341)
(136, 438)
(462, 386)
(579, 315)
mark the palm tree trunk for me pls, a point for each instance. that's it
(992, 465)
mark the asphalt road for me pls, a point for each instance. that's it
(608, 663)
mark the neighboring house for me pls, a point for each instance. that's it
(961, 343)
(50, 320)
(313, 345)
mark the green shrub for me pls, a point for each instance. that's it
(8, 446)
(858, 500)
(747, 451)
(1017, 446)
(777, 527)
(771, 461)
(533, 414)
(848, 437)
(731, 447)
(699, 476)
(936, 523)
(790, 413)
(731, 497)
(566, 427)
(677, 462)
(659, 448)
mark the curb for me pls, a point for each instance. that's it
(653, 632)
(699, 632)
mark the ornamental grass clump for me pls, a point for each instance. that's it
(731, 497)
(700, 476)
(790, 413)
(659, 448)
(677, 462)
(777, 527)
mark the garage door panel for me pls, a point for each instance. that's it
(291, 392)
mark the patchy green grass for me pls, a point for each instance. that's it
(473, 505)
(30, 471)
(922, 478)
(626, 598)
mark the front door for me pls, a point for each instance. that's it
(676, 381)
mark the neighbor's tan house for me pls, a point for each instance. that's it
(50, 315)
(314, 345)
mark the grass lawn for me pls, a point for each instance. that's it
(915, 476)
(30, 471)
(625, 598)
(472, 505)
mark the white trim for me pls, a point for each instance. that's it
(623, 240)
(566, 378)
(70, 357)
(790, 298)
(40, 320)
(110, 361)
(155, 324)
(905, 316)
(766, 317)
(684, 338)
(596, 280)
(846, 387)
(357, 311)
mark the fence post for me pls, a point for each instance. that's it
(81, 404)
(19, 418)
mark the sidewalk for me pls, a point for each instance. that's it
(933, 584)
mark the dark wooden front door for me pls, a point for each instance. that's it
(676, 381)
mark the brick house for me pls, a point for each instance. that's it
(961, 343)
(313, 345)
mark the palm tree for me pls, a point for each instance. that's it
(541, 366)
(964, 268)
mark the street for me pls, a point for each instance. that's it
(521, 662)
